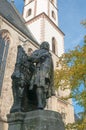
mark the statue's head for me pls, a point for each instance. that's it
(45, 45)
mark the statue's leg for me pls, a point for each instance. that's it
(39, 92)
(25, 100)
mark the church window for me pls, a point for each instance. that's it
(4, 46)
(54, 45)
(53, 15)
(29, 12)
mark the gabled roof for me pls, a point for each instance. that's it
(11, 14)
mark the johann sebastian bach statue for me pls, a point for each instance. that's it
(32, 79)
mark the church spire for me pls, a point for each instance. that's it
(41, 18)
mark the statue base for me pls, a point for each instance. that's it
(35, 120)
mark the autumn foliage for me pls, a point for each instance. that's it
(71, 74)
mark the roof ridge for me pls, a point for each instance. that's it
(12, 15)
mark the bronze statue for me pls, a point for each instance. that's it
(32, 79)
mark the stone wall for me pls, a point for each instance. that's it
(16, 38)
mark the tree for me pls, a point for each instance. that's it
(71, 74)
(72, 70)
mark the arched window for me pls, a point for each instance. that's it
(29, 12)
(53, 15)
(54, 45)
(4, 46)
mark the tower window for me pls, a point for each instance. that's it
(29, 12)
(54, 45)
(53, 15)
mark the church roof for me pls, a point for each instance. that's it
(11, 14)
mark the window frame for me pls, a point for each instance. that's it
(29, 12)
(53, 15)
(4, 34)
(54, 45)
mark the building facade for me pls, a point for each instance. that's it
(41, 18)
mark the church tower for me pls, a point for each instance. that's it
(41, 18)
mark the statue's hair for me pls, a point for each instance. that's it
(45, 45)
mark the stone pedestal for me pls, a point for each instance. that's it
(35, 120)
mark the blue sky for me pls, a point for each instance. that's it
(70, 13)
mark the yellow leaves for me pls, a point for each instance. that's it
(71, 70)
(61, 78)
(81, 125)
(76, 61)
(78, 125)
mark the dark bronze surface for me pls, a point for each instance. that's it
(32, 79)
